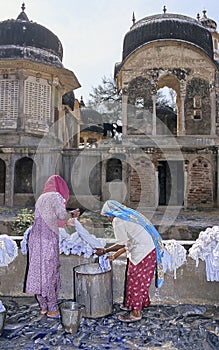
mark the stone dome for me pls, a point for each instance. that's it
(167, 26)
(24, 39)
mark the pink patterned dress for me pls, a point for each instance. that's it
(43, 278)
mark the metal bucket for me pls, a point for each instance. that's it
(2, 321)
(71, 314)
(93, 288)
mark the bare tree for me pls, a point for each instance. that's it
(166, 97)
(106, 100)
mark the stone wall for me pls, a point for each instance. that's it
(190, 285)
(200, 185)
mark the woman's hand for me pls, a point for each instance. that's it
(75, 213)
(99, 251)
(111, 257)
(70, 222)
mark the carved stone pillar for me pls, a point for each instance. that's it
(22, 76)
(124, 113)
(186, 165)
(9, 182)
(213, 111)
(154, 117)
(156, 199)
(181, 114)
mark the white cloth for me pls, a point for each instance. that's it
(87, 237)
(104, 263)
(8, 250)
(174, 256)
(2, 308)
(137, 240)
(206, 248)
(24, 242)
(79, 242)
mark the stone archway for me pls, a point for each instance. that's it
(24, 188)
(171, 182)
(170, 119)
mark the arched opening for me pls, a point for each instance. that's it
(167, 105)
(113, 170)
(2, 181)
(23, 176)
(24, 182)
(171, 183)
(166, 111)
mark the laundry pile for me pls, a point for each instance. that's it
(8, 250)
(174, 256)
(78, 243)
(206, 248)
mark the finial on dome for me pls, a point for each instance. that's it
(22, 16)
(81, 103)
(133, 18)
(204, 13)
(164, 9)
(198, 16)
(208, 22)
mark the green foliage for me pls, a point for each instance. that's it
(24, 219)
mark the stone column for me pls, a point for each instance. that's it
(182, 117)
(181, 114)
(217, 194)
(213, 111)
(186, 165)
(124, 113)
(154, 117)
(22, 76)
(156, 199)
(9, 181)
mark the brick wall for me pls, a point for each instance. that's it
(200, 183)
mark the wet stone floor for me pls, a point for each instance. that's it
(183, 326)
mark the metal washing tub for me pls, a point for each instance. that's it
(93, 288)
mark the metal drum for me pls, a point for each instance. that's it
(93, 288)
(2, 321)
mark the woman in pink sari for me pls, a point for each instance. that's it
(43, 278)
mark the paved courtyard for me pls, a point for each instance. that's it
(170, 327)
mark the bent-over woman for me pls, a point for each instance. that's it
(138, 237)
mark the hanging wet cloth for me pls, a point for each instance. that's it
(8, 250)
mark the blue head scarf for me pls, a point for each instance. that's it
(114, 208)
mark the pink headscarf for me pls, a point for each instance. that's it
(56, 183)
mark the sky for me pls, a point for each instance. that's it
(92, 31)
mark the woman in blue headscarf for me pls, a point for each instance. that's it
(138, 237)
